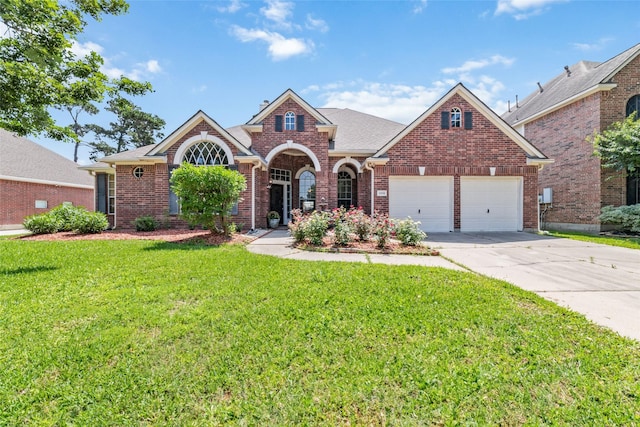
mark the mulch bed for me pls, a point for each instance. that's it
(167, 235)
(204, 237)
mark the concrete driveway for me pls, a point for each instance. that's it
(602, 282)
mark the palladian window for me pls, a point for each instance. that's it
(206, 153)
(289, 121)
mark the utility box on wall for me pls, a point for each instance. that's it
(547, 196)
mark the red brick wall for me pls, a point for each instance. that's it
(460, 152)
(17, 199)
(580, 186)
(149, 195)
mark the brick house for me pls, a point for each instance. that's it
(458, 166)
(33, 180)
(559, 117)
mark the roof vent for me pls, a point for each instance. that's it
(566, 68)
(540, 87)
(264, 104)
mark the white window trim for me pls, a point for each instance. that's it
(204, 136)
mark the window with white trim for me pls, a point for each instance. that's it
(289, 121)
(307, 191)
(345, 189)
(111, 191)
(206, 153)
(456, 117)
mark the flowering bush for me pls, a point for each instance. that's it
(360, 223)
(382, 229)
(408, 232)
(296, 225)
(315, 227)
(341, 227)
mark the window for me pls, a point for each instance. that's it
(138, 172)
(206, 153)
(289, 121)
(307, 191)
(345, 189)
(633, 105)
(111, 191)
(456, 117)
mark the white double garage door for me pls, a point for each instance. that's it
(487, 203)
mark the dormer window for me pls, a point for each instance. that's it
(289, 121)
(456, 117)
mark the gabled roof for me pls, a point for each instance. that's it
(534, 155)
(582, 79)
(188, 125)
(360, 132)
(255, 123)
(24, 160)
(136, 155)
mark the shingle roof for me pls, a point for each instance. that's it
(23, 159)
(128, 155)
(584, 75)
(360, 131)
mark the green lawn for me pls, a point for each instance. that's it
(625, 242)
(143, 333)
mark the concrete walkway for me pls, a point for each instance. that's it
(601, 282)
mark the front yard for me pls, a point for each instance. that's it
(155, 333)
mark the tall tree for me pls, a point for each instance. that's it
(618, 146)
(132, 128)
(38, 70)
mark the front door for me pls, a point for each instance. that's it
(276, 200)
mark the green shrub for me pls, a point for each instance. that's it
(296, 226)
(382, 229)
(360, 223)
(92, 223)
(627, 217)
(408, 232)
(146, 223)
(342, 233)
(41, 224)
(67, 216)
(315, 227)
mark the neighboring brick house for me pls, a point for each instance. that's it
(560, 117)
(33, 180)
(459, 166)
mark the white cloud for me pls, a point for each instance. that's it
(278, 12)
(401, 103)
(587, 47)
(523, 9)
(232, 7)
(316, 24)
(279, 46)
(420, 6)
(83, 49)
(153, 66)
(472, 65)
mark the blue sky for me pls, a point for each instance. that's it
(388, 58)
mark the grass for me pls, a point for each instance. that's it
(147, 333)
(624, 242)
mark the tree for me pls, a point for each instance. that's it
(618, 146)
(39, 71)
(207, 194)
(133, 128)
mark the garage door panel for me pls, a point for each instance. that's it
(491, 204)
(425, 199)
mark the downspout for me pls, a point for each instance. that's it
(366, 166)
(253, 195)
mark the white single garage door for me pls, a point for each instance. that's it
(428, 199)
(491, 203)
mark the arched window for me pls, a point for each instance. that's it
(289, 121)
(307, 191)
(633, 105)
(206, 153)
(456, 117)
(345, 189)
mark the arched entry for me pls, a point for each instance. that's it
(292, 177)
